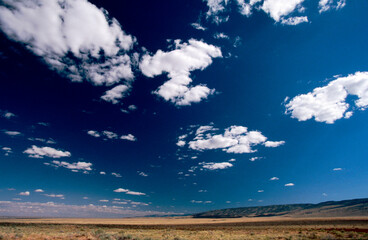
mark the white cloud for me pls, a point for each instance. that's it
(39, 190)
(198, 26)
(129, 192)
(115, 94)
(52, 195)
(143, 174)
(103, 173)
(83, 166)
(41, 152)
(7, 114)
(109, 134)
(274, 179)
(260, 191)
(215, 166)
(235, 139)
(132, 107)
(337, 169)
(116, 175)
(324, 194)
(104, 200)
(215, 10)
(129, 137)
(93, 133)
(180, 143)
(326, 5)
(328, 104)
(178, 63)
(274, 143)
(232, 160)
(51, 209)
(27, 193)
(289, 185)
(7, 150)
(294, 20)
(69, 35)
(12, 133)
(220, 36)
(279, 8)
(85, 198)
(246, 8)
(252, 159)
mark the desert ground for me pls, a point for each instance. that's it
(176, 228)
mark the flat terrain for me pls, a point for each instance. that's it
(186, 228)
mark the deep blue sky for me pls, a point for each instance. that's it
(263, 62)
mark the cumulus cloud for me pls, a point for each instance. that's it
(329, 103)
(27, 193)
(294, 20)
(103, 173)
(280, 8)
(73, 37)
(274, 179)
(235, 139)
(129, 192)
(39, 190)
(289, 185)
(216, 8)
(41, 152)
(246, 8)
(93, 133)
(51, 209)
(115, 94)
(7, 150)
(215, 166)
(326, 5)
(129, 137)
(7, 114)
(178, 64)
(337, 169)
(75, 167)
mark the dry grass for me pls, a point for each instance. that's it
(185, 228)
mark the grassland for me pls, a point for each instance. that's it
(186, 228)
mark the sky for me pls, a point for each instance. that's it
(139, 108)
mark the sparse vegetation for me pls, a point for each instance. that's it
(228, 229)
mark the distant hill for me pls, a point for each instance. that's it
(346, 208)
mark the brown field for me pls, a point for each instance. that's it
(176, 228)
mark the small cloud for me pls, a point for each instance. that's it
(324, 194)
(132, 107)
(260, 191)
(7, 150)
(44, 124)
(232, 160)
(129, 192)
(180, 143)
(41, 152)
(7, 114)
(93, 133)
(142, 174)
(289, 185)
(11, 189)
(274, 143)
(27, 193)
(39, 190)
(129, 137)
(12, 133)
(75, 167)
(337, 169)
(102, 173)
(116, 175)
(104, 200)
(110, 135)
(85, 198)
(61, 196)
(228, 202)
(274, 179)
(216, 166)
(220, 36)
(198, 26)
(195, 201)
(115, 94)
(16, 199)
(202, 191)
(254, 158)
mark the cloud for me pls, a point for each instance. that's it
(61, 196)
(329, 103)
(7, 114)
(7, 150)
(129, 137)
(39, 190)
(110, 135)
(326, 5)
(180, 143)
(115, 94)
(83, 166)
(274, 179)
(235, 139)
(279, 8)
(337, 169)
(41, 152)
(198, 26)
(220, 36)
(12, 133)
(216, 8)
(178, 63)
(116, 175)
(246, 8)
(104, 200)
(73, 37)
(252, 159)
(289, 185)
(215, 166)
(260, 191)
(103, 173)
(49, 141)
(294, 20)
(27, 193)
(93, 133)
(51, 209)
(129, 192)
(132, 107)
(143, 174)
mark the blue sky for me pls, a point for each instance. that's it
(112, 109)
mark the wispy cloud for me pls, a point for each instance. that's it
(129, 192)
